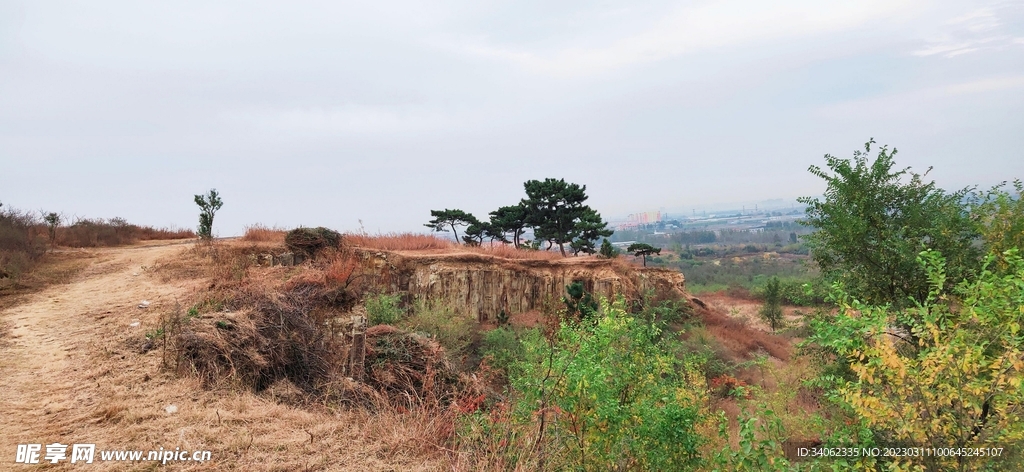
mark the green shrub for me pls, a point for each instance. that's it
(384, 309)
(579, 303)
(503, 347)
(622, 395)
(771, 310)
(607, 250)
(454, 331)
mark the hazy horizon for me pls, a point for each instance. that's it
(330, 113)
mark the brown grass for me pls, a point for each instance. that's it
(21, 243)
(424, 242)
(511, 252)
(287, 323)
(114, 232)
(53, 269)
(397, 241)
(259, 233)
(741, 339)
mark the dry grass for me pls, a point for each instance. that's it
(425, 242)
(511, 252)
(287, 323)
(53, 269)
(21, 244)
(259, 233)
(149, 233)
(397, 241)
(114, 232)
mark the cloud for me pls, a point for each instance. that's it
(913, 101)
(345, 120)
(689, 30)
(975, 31)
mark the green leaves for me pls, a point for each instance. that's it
(643, 250)
(617, 396)
(443, 219)
(873, 222)
(607, 250)
(771, 310)
(555, 210)
(208, 206)
(948, 370)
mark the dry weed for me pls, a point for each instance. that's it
(424, 242)
(259, 233)
(397, 241)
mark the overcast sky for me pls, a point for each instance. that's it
(327, 113)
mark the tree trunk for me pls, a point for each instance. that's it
(456, 234)
(561, 248)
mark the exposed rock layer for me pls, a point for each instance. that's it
(482, 285)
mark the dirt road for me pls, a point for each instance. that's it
(50, 389)
(72, 372)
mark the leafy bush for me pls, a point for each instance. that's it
(384, 309)
(502, 346)
(612, 393)
(1000, 219)
(875, 219)
(954, 377)
(760, 445)
(800, 293)
(664, 311)
(579, 304)
(452, 330)
(771, 310)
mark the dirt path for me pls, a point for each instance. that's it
(54, 332)
(72, 371)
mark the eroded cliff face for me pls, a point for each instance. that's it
(482, 286)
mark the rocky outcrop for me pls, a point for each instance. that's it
(482, 285)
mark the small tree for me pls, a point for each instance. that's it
(508, 219)
(476, 232)
(873, 221)
(1000, 219)
(771, 310)
(450, 218)
(52, 223)
(643, 250)
(208, 206)
(607, 250)
(555, 210)
(590, 227)
(579, 303)
(585, 246)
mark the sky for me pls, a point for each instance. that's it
(367, 115)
